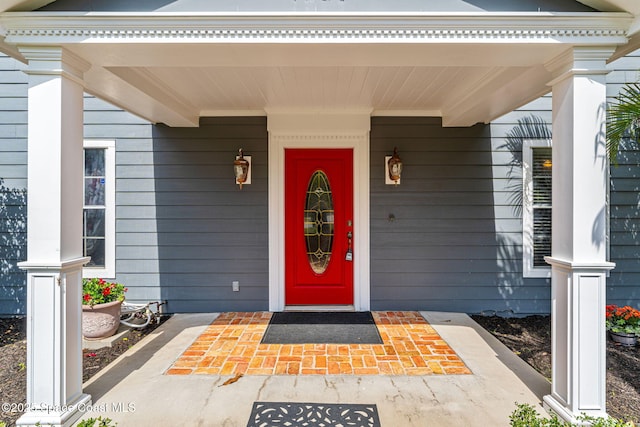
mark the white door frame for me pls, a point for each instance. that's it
(349, 129)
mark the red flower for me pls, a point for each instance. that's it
(101, 291)
(623, 319)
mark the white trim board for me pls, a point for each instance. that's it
(528, 270)
(319, 130)
(109, 270)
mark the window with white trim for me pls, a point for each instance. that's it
(536, 212)
(98, 213)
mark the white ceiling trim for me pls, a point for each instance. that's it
(175, 68)
(634, 28)
(233, 113)
(147, 82)
(132, 99)
(489, 104)
(630, 6)
(407, 113)
(57, 28)
(632, 45)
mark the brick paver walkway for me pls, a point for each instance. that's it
(231, 346)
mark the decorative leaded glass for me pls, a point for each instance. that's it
(318, 222)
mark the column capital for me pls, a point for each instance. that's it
(54, 266)
(579, 60)
(571, 265)
(53, 60)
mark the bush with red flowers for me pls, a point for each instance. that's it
(99, 291)
(623, 319)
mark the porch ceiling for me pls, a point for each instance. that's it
(466, 68)
(463, 85)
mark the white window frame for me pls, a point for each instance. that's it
(109, 270)
(528, 269)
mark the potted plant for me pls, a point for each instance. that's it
(623, 324)
(101, 301)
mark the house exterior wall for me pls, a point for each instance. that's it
(623, 284)
(450, 236)
(184, 231)
(13, 184)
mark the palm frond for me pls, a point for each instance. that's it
(623, 118)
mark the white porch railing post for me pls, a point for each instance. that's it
(579, 243)
(54, 238)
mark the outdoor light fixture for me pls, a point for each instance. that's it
(241, 169)
(393, 168)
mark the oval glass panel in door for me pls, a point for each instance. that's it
(318, 222)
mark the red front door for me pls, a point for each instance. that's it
(318, 226)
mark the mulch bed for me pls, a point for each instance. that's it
(530, 338)
(13, 359)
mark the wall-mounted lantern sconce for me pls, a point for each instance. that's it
(242, 169)
(392, 168)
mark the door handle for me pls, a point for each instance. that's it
(349, 256)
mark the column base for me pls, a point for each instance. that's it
(64, 416)
(551, 404)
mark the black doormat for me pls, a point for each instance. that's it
(306, 327)
(278, 414)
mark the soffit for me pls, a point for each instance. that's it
(466, 68)
(22, 5)
(629, 6)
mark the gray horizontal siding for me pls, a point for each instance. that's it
(13, 183)
(149, 284)
(184, 229)
(191, 252)
(176, 212)
(623, 284)
(455, 242)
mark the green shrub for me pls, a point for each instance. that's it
(526, 415)
(91, 422)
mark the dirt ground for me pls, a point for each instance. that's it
(530, 338)
(13, 359)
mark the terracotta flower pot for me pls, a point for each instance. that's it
(624, 338)
(100, 320)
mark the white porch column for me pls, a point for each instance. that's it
(54, 238)
(579, 247)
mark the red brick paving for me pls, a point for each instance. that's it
(231, 346)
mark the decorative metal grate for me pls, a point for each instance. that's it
(285, 414)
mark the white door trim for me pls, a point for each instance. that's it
(319, 130)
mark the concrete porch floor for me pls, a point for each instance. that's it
(135, 390)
